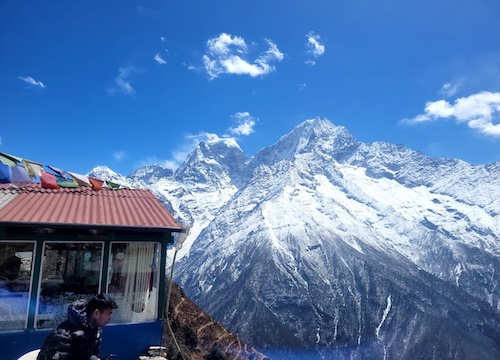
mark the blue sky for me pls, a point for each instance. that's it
(128, 83)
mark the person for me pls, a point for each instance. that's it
(10, 268)
(79, 336)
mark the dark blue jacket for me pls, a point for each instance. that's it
(74, 338)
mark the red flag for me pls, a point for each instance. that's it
(96, 184)
(48, 181)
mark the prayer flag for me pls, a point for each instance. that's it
(48, 181)
(20, 176)
(62, 182)
(112, 185)
(34, 169)
(82, 180)
(5, 174)
(62, 173)
(96, 184)
(8, 159)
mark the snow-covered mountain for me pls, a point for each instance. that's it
(321, 246)
(105, 173)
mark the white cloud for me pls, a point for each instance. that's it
(222, 45)
(195, 139)
(163, 39)
(122, 83)
(480, 111)
(449, 89)
(159, 59)
(244, 123)
(273, 52)
(119, 155)
(314, 47)
(226, 54)
(31, 81)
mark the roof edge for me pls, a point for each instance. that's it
(92, 226)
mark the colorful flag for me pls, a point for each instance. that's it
(82, 180)
(96, 184)
(20, 176)
(48, 181)
(112, 185)
(64, 183)
(9, 159)
(34, 169)
(5, 174)
(62, 173)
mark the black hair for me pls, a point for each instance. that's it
(100, 302)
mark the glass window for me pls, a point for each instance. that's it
(70, 271)
(16, 259)
(133, 281)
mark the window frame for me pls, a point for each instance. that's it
(37, 314)
(33, 273)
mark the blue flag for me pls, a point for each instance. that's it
(5, 174)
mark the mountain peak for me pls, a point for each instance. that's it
(221, 156)
(317, 135)
(102, 171)
(229, 142)
(150, 174)
(105, 173)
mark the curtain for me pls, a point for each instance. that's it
(138, 261)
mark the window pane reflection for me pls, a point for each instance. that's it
(15, 280)
(70, 271)
(133, 281)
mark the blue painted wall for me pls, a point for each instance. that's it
(126, 341)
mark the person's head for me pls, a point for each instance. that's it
(10, 267)
(99, 310)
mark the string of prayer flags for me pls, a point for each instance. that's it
(21, 172)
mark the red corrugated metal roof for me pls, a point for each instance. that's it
(34, 205)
